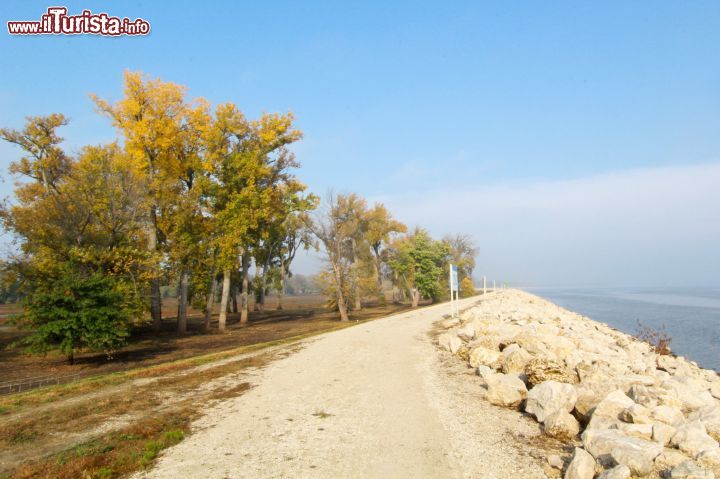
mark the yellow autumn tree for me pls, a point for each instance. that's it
(156, 123)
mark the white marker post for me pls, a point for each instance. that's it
(454, 291)
(493, 285)
(484, 285)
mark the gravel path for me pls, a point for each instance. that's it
(377, 400)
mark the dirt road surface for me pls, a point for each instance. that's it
(373, 401)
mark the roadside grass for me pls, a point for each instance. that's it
(92, 411)
(154, 426)
(113, 424)
(11, 403)
(158, 414)
(115, 454)
(148, 348)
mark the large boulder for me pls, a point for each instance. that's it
(582, 465)
(532, 343)
(693, 394)
(588, 396)
(539, 370)
(651, 396)
(561, 425)
(514, 363)
(662, 433)
(573, 359)
(483, 371)
(710, 417)
(486, 340)
(598, 370)
(549, 397)
(668, 459)
(667, 414)
(637, 454)
(709, 458)
(617, 472)
(505, 390)
(613, 444)
(496, 334)
(482, 356)
(692, 439)
(608, 411)
(673, 365)
(643, 431)
(467, 332)
(450, 342)
(637, 414)
(690, 470)
(559, 346)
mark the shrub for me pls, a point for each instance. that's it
(467, 288)
(659, 339)
(69, 313)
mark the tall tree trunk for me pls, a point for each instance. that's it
(281, 290)
(245, 266)
(224, 301)
(395, 288)
(234, 299)
(210, 299)
(260, 306)
(155, 295)
(183, 301)
(355, 279)
(378, 274)
(342, 307)
(415, 297)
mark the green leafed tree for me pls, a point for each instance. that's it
(419, 264)
(69, 313)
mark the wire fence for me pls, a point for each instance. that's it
(11, 387)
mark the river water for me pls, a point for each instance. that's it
(691, 316)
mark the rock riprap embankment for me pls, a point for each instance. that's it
(629, 411)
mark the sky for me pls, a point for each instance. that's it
(578, 143)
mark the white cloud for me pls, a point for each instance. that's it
(634, 227)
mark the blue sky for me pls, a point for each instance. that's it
(473, 108)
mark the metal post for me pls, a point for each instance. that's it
(452, 311)
(484, 285)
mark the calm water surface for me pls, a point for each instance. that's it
(691, 316)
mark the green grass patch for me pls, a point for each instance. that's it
(115, 454)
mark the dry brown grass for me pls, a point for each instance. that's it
(110, 425)
(116, 454)
(303, 315)
(658, 339)
(152, 420)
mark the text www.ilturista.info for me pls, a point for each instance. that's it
(57, 22)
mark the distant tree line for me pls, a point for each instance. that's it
(190, 200)
(365, 245)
